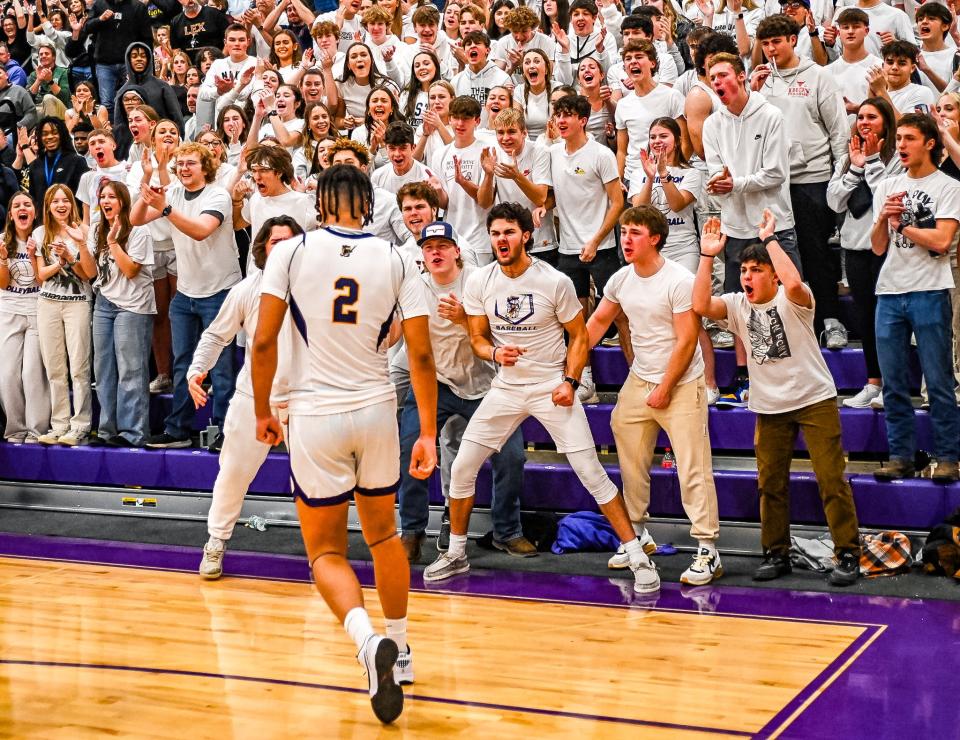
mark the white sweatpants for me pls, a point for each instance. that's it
(23, 382)
(240, 459)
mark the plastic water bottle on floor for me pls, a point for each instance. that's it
(668, 461)
(258, 523)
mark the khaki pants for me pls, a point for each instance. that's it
(775, 437)
(65, 335)
(635, 428)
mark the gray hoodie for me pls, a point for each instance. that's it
(815, 118)
(753, 147)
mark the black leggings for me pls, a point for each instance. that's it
(863, 269)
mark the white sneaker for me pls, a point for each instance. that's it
(587, 392)
(211, 567)
(613, 341)
(705, 567)
(445, 567)
(50, 438)
(378, 657)
(864, 398)
(621, 560)
(722, 339)
(835, 334)
(877, 403)
(713, 395)
(73, 438)
(403, 670)
(645, 578)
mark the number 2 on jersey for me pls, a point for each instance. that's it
(343, 305)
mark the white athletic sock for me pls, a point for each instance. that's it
(357, 624)
(458, 545)
(710, 545)
(639, 530)
(634, 551)
(397, 631)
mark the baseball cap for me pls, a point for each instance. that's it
(804, 3)
(438, 230)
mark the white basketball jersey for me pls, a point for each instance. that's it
(344, 289)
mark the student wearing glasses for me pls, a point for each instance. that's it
(207, 267)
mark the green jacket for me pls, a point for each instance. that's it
(60, 77)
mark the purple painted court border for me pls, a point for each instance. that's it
(352, 690)
(900, 658)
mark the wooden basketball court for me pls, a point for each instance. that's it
(87, 650)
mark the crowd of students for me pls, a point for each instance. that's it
(144, 145)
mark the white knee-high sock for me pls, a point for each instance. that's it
(357, 624)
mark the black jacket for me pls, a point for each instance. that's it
(67, 171)
(111, 37)
(158, 94)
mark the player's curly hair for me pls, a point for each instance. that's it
(344, 144)
(344, 185)
(518, 214)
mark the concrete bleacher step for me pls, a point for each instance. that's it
(551, 484)
(846, 365)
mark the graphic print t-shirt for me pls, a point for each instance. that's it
(529, 312)
(908, 267)
(787, 370)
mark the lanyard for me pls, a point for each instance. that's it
(49, 170)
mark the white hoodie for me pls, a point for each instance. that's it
(754, 148)
(815, 118)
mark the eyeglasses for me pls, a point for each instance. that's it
(186, 163)
(212, 142)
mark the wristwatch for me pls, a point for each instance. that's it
(166, 211)
(574, 383)
(767, 240)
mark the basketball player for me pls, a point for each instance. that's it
(242, 455)
(343, 288)
(517, 311)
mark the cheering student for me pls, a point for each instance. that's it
(791, 390)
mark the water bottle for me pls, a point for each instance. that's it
(669, 461)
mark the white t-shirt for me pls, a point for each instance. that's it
(385, 177)
(224, 69)
(160, 229)
(463, 212)
(387, 221)
(92, 180)
(909, 268)
(579, 181)
(344, 289)
(787, 370)
(635, 113)
(683, 237)
(458, 367)
(300, 206)
(912, 98)
(348, 31)
(478, 84)
(534, 163)
(420, 106)
(650, 304)
(135, 295)
(20, 295)
(529, 312)
(65, 285)
(941, 62)
(883, 17)
(851, 77)
(204, 268)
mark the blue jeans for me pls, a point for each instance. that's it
(188, 318)
(110, 79)
(507, 469)
(121, 360)
(927, 314)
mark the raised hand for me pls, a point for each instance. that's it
(649, 163)
(488, 161)
(857, 156)
(712, 242)
(768, 224)
(563, 41)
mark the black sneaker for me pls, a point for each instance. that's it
(97, 441)
(773, 566)
(847, 570)
(443, 540)
(167, 441)
(217, 444)
(120, 441)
